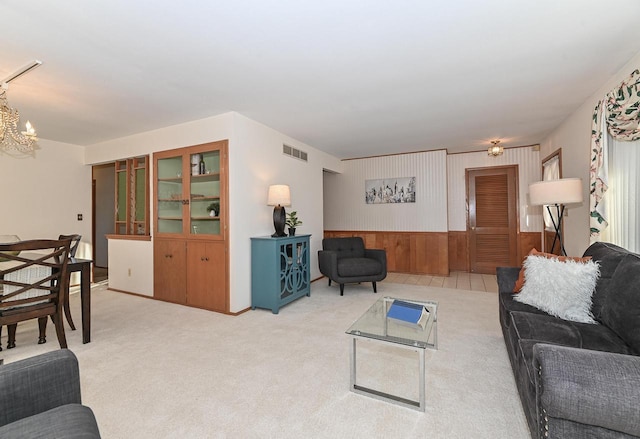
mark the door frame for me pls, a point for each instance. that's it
(516, 212)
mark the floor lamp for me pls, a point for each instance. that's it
(556, 193)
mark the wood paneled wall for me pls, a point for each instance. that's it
(434, 253)
(459, 251)
(528, 240)
(407, 252)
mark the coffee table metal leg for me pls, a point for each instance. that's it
(383, 396)
(353, 363)
(421, 356)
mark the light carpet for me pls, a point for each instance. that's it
(158, 370)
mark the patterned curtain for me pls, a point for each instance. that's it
(619, 114)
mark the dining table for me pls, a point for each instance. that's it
(84, 267)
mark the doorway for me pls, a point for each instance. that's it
(492, 218)
(103, 207)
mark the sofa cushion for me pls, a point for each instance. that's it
(67, 421)
(353, 267)
(548, 329)
(621, 307)
(507, 304)
(608, 257)
(561, 288)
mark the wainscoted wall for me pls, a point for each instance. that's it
(459, 250)
(407, 252)
(344, 200)
(428, 236)
(529, 170)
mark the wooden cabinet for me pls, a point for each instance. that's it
(279, 271)
(190, 227)
(206, 266)
(170, 270)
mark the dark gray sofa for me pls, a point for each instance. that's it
(40, 398)
(346, 260)
(579, 380)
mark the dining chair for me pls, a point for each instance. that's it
(33, 281)
(75, 240)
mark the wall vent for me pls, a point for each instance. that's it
(294, 152)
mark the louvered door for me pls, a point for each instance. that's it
(492, 218)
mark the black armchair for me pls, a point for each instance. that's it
(40, 398)
(345, 260)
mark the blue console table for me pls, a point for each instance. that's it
(279, 271)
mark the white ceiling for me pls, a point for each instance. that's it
(353, 78)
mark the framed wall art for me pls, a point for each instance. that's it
(390, 190)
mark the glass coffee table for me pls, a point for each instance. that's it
(374, 325)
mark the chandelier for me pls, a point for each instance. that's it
(496, 149)
(11, 137)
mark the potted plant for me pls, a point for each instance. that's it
(292, 222)
(215, 208)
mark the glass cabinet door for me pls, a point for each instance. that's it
(169, 192)
(204, 202)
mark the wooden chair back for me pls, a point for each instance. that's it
(75, 240)
(33, 282)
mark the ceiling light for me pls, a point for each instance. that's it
(496, 149)
(11, 137)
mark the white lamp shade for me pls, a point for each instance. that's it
(562, 191)
(279, 194)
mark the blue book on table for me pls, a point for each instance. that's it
(408, 313)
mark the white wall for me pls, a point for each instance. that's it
(529, 169)
(345, 207)
(130, 268)
(255, 162)
(42, 194)
(140, 280)
(574, 137)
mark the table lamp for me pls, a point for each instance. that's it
(279, 196)
(556, 193)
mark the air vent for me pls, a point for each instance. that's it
(294, 152)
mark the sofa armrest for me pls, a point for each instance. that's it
(328, 263)
(379, 255)
(38, 384)
(507, 277)
(587, 387)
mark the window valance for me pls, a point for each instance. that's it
(618, 113)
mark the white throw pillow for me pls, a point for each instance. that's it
(560, 288)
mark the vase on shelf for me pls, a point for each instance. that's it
(292, 231)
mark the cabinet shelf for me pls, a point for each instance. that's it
(198, 198)
(214, 176)
(206, 218)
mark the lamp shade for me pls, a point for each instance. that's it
(279, 195)
(562, 191)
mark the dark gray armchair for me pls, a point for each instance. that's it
(40, 398)
(345, 260)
